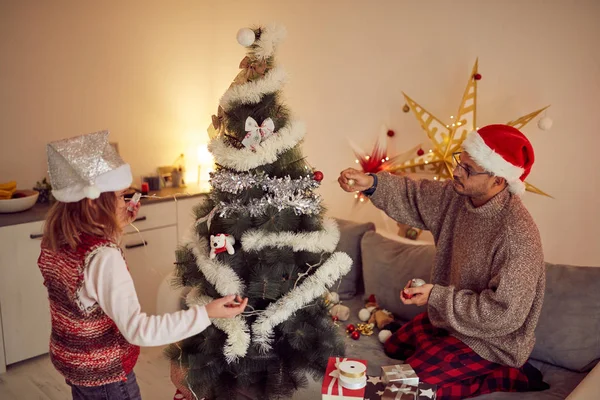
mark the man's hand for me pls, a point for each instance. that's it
(419, 296)
(361, 181)
(226, 307)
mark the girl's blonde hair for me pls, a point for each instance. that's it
(66, 221)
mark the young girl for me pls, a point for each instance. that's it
(97, 323)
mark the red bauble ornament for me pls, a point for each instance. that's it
(391, 133)
(355, 335)
(350, 328)
(420, 152)
(318, 176)
(334, 318)
(477, 77)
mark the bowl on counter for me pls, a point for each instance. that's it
(20, 203)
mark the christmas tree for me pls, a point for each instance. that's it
(261, 235)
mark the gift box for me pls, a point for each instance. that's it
(399, 391)
(375, 388)
(400, 373)
(426, 391)
(345, 378)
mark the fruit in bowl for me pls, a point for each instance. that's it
(13, 200)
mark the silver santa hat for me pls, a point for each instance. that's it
(85, 166)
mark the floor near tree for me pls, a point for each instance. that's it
(36, 379)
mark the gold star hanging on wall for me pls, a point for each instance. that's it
(448, 138)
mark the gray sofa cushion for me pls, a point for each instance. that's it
(568, 332)
(351, 234)
(388, 265)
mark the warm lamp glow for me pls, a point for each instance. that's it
(205, 166)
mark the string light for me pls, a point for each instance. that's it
(362, 199)
(387, 158)
(367, 157)
(452, 117)
(431, 151)
(458, 123)
(356, 161)
(426, 162)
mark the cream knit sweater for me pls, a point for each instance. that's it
(489, 271)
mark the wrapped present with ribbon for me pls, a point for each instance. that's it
(375, 388)
(400, 373)
(345, 378)
(426, 391)
(399, 391)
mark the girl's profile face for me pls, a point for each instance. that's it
(121, 210)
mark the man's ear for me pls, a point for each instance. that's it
(498, 181)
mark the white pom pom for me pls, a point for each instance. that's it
(91, 192)
(364, 315)
(333, 297)
(245, 37)
(545, 123)
(384, 335)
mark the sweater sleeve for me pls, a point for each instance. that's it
(417, 203)
(108, 282)
(502, 307)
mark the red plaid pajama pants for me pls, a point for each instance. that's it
(443, 360)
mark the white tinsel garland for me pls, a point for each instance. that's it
(238, 334)
(324, 240)
(302, 204)
(252, 92)
(312, 287)
(270, 37)
(218, 274)
(265, 153)
(232, 182)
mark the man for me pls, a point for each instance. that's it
(488, 279)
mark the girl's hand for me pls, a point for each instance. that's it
(132, 215)
(226, 307)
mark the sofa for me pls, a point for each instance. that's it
(567, 348)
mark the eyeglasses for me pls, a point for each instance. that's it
(468, 170)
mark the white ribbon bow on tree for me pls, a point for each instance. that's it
(256, 134)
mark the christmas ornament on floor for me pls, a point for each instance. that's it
(337, 310)
(375, 316)
(260, 235)
(447, 137)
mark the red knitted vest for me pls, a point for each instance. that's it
(86, 346)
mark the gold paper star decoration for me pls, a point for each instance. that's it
(448, 138)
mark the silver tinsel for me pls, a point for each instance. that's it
(231, 182)
(302, 204)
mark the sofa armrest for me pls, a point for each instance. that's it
(589, 387)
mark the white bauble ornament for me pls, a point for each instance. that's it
(384, 335)
(246, 37)
(545, 123)
(364, 315)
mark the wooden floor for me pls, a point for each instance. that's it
(36, 379)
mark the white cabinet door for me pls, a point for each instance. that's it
(185, 216)
(150, 256)
(23, 296)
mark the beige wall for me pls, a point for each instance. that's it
(152, 72)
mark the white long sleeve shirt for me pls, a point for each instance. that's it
(107, 282)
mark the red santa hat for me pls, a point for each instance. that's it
(504, 151)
